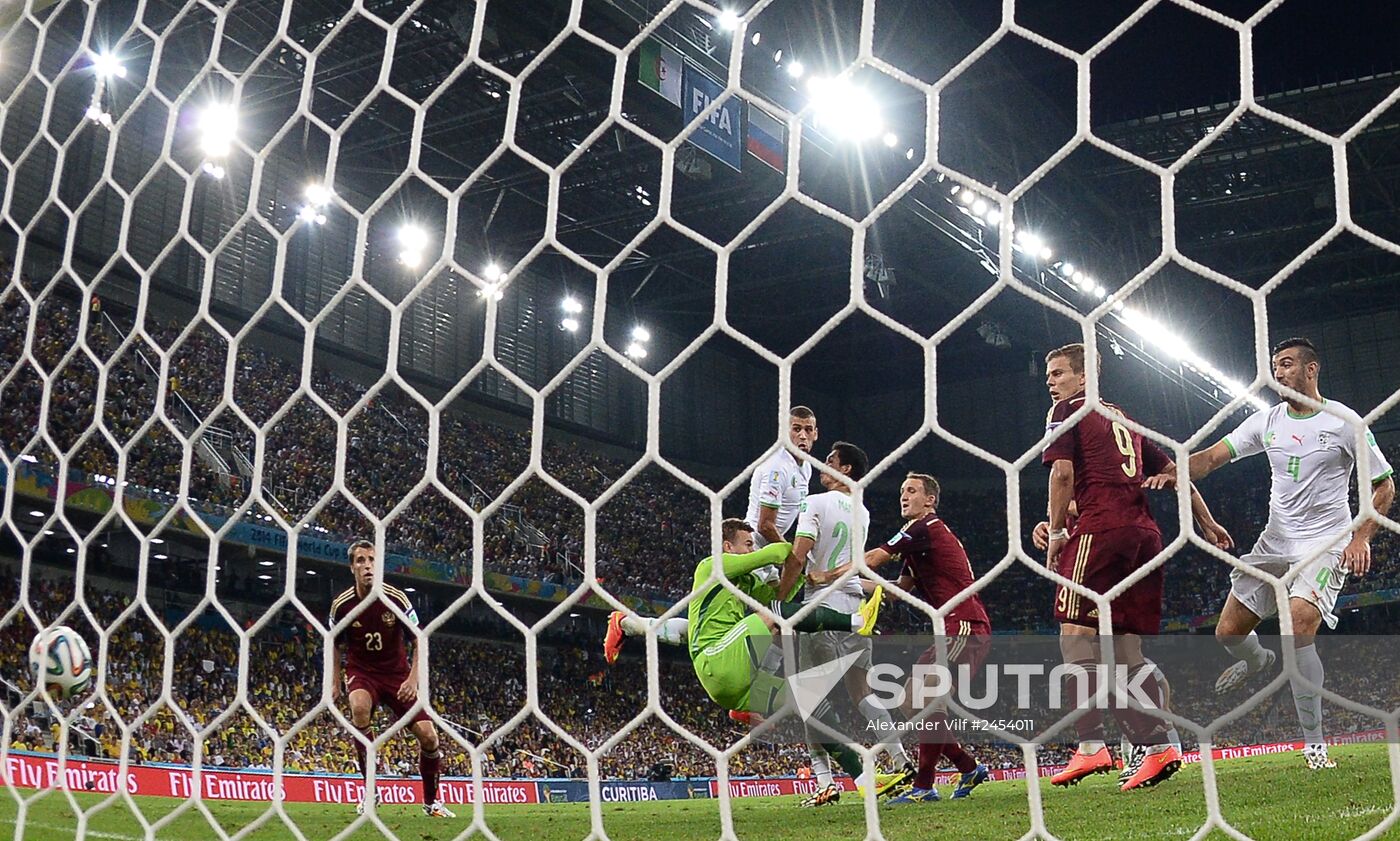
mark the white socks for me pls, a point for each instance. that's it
(1306, 700)
(672, 631)
(1251, 652)
(821, 766)
(890, 740)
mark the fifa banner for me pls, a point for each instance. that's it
(93, 495)
(721, 133)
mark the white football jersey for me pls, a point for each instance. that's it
(781, 482)
(1311, 458)
(837, 531)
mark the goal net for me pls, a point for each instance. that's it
(511, 293)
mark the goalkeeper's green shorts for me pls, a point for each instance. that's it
(729, 672)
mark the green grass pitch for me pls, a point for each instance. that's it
(1270, 797)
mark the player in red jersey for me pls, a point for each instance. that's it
(936, 568)
(1100, 465)
(377, 671)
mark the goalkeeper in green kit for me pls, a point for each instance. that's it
(733, 650)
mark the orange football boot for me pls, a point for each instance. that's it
(1082, 765)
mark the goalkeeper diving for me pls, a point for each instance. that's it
(733, 649)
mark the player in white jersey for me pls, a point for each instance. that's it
(1312, 453)
(779, 486)
(777, 490)
(829, 529)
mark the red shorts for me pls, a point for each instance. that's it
(1101, 560)
(383, 690)
(968, 643)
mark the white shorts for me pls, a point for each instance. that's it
(1320, 581)
(826, 646)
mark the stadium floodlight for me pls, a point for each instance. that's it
(636, 351)
(97, 115)
(845, 109)
(795, 69)
(318, 195)
(491, 291)
(1100, 292)
(967, 197)
(492, 272)
(218, 125)
(569, 323)
(413, 238)
(1046, 253)
(311, 216)
(641, 334)
(891, 139)
(994, 216)
(214, 170)
(571, 305)
(1067, 269)
(979, 207)
(108, 65)
(729, 20)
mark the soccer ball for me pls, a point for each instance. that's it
(61, 662)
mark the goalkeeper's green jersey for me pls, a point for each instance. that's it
(715, 610)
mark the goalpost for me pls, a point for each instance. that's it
(55, 56)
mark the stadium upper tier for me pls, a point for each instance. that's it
(648, 536)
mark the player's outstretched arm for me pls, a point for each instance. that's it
(768, 524)
(1207, 461)
(1211, 530)
(1356, 557)
(874, 558)
(792, 567)
(770, 555)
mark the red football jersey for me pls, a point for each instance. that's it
(935, 557)
(1110, 463)
(376, 641)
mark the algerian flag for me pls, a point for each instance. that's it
(660, 69)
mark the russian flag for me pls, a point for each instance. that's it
(766, 138)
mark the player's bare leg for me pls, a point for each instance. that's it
(1235, 633)
(361, 709)
(429, 767)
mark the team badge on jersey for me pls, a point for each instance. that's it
(388, 617)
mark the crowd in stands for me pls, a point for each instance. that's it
(478, 686)
(648, 535)
(648, 538)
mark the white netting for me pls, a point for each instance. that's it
(119, 388)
